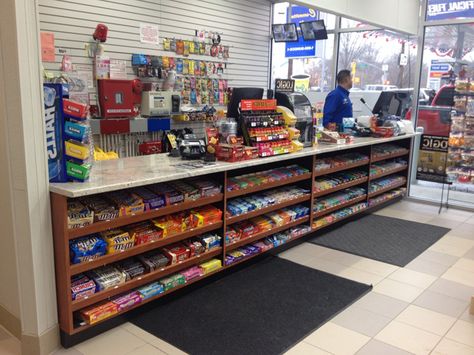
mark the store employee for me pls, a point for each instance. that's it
(338, 104)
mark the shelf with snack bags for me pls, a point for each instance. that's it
(143, 248)
(390, 183)
(387, 151)
(330, 165)
(144, 279)
(387, 169)
(341, 186)
(339, 215)
(340, 206)
(121, 221)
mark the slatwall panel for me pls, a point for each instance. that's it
(243, 24)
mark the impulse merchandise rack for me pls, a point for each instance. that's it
(71, 332)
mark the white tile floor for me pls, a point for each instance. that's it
(419, 309)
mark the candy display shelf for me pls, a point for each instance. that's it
(270, 185)
(266, 233)
(143, 248)
(151, 170)
(139, 217)
(340, 206)
(401, 153)
(340, 219)
(144, 279)
(341, 187)
(388, 172)
(274, 207)
(341, 168)
(388, 188)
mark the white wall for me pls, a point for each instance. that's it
(244, 25)
(398, 15)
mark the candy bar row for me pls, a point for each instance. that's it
(339, 161)
(385, 166)
(246, 181)
(122, 303)
(340, 214)
(96, 208)
(117, 240)
(338, 198)
(266, 222)
(334, 180)
(239, 206)
(385, 182)
(106, 277)
(379, 151)
(387, 196)
(265, 244)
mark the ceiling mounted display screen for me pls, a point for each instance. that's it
(314, 30)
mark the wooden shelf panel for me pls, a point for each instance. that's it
(342, 168)
(341, 206)
(341, 187)
(389, 172)
(389, 156)
(270, 185)
(260, 211)
(84, 327)
(126, 220)
(144, 279)
(388, 188)
(139, 249)
(261, 235)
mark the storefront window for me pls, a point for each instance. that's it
(449, 10)
(313, 72)
(348, 23)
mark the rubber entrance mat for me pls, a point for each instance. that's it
(390, 240)
(265, 308)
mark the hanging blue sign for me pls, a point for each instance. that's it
(302, 48)
(449, 9)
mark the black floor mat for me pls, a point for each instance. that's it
(390, 240)
(265, 308)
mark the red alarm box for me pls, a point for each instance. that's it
(148, 148)
(119, 98)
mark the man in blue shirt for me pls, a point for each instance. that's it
(338, 104)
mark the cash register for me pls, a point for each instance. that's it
(301, 107)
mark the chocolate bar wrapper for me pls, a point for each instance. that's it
(172, 281)
(87, 249)
(104, 209)
(131, 268)
(195, 246)
(171, 195)
(82, 287)
(106, 277)
(210, 266)
(96, 313)
(117, 240)
(210, 241)
(78, 215)
(151, 290)
(189, 192)
(127, 301)
(153, 261)
(192, 273)
(207, 188)
(176, 253)
(150, 199)
(144, 232)
(128, 203)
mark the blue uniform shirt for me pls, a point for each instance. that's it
(337, 106)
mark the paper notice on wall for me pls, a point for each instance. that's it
(47, 47)
(118, 69)
(102, 67)
(149, 33)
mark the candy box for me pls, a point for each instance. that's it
(82, 287)
(117, 240)
(232, 236)
(207, 188)
(78, 215)
(150, 200)
(195, 247)
(206, 215)
(230, 153)
(210, 241)
(127, 301)
(192, 273)
(76, 131)
(176, 253)
(107, 276)
(250, 153)
(87, 249)
(153, 261)
(172, 281)
(144, 232)
(132, 268)
(128, 203)
(77, 150)
(151, 290)
(189, 192)
(262, 246)
(104, 210)
(171, 195)
(210, 266)
(96, 313)
(78, 171)
(75, 110)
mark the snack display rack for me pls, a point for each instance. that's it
(276, 175)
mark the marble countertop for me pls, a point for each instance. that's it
(149, 169)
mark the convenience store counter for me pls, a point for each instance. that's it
(145, 170)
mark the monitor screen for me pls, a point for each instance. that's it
(285, 32)
(314, 30)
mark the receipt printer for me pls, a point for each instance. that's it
(160, 103)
